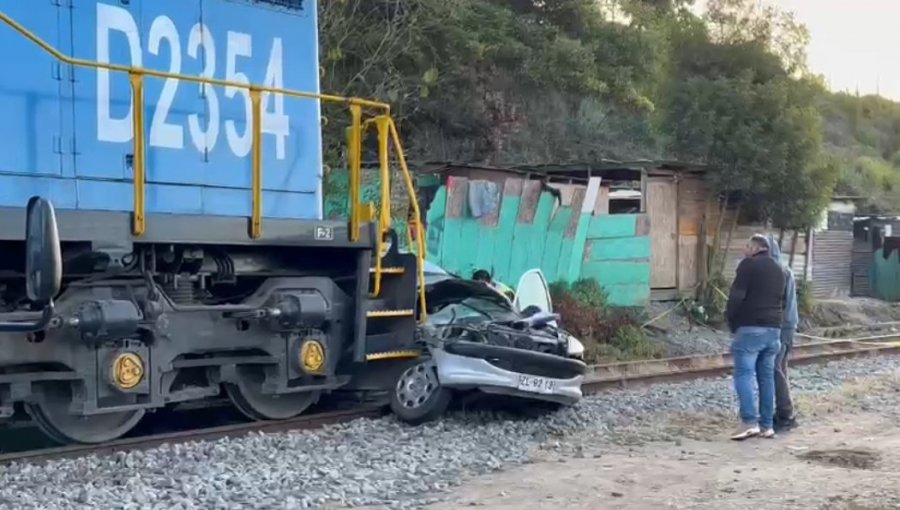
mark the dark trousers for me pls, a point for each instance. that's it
(784, 407)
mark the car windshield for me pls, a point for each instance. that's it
(473, 309)
(432, 268)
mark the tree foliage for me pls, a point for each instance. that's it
(862, 136)
(537, 81)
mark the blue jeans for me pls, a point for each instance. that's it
(754, 350)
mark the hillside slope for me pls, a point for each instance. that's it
(863, 134)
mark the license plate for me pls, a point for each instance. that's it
(534, 384)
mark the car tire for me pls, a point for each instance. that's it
(418, 396)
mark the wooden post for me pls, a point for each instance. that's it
(702, 253)
(809, 247)
(734, 222)
(717, 243)
(793, 248)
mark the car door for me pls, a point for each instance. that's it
(533, 290)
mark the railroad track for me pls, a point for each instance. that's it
(636, 373)
(306, 422)
(599, 377)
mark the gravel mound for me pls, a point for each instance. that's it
(679, 337)
(364, 462)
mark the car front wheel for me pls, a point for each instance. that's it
(418, 396)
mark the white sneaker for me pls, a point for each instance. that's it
(768, 433)
(745, 432)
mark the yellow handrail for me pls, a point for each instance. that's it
(136, 75)
(382, 123)
(354, 161)
(384, 218)
(256, 147)
(414, 203)
(137, 97)
(15, 25)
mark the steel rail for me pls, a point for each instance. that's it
(639, 373)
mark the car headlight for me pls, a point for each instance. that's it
(575, 347)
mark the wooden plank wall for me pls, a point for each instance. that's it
(534, 227)
(662, 208)
(617, 255)
(692, 201)
(542, 220)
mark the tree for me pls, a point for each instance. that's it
(553, 81)
(742, 21)
(738, 104)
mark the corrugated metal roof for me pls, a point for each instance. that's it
(601, 168)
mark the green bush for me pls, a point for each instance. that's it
(714, 299)
(805, 301)
(588, 292)
(608, 333)
(582, 312)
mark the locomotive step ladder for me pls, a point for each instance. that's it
(391, 315)
(395, 301)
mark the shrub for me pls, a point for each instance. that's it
(628, 343)
(714, 299)
(607, 333)
(582, 307)
(805, 301)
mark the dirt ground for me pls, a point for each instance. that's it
(841, 460)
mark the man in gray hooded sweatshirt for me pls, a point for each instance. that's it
(784, 407)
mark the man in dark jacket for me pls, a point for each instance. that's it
(755, 311)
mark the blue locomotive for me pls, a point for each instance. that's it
(180, 142)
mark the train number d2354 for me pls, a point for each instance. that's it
(199, 44)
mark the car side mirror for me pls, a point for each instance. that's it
(43, 261)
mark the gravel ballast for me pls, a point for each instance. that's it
(367, 461)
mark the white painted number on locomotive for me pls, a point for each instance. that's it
(164, 133)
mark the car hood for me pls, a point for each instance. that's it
(454, 290)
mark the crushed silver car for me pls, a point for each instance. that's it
(475, 339)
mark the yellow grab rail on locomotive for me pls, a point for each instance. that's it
(386, 127)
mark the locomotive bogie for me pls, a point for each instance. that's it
(157, 332)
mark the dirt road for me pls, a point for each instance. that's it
(845, 457)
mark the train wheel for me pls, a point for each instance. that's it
(246, 394)
(51, 413)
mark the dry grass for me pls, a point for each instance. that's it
(711, 426)
(848, 397)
